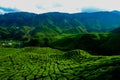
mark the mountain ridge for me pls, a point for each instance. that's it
(55, 23)
(63, 19)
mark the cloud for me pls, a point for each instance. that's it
(57, 5)
(2, 12)
(91, 9)
(7, 10)
(70, 6)
(39, 7)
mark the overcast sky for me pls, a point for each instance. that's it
(69, 6)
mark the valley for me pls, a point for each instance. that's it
(60, 46)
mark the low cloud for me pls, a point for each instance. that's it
(7, 10)
(2, 12)
(91, 9)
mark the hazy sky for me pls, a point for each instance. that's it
(70, 6)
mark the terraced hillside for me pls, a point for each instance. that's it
(32, 63)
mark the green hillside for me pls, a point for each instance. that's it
(60, 46)
(94, 43)
(13, 25)
(33, 63)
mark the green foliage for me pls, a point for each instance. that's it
(49, 64)
(91, 42)
(4, 33)
(112, 44)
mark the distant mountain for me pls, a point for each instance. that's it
(97, 21)
(117, 30)
(54, 23)
(117, 12)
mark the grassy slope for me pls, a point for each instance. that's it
(50, 64)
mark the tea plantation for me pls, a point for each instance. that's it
(33, 63)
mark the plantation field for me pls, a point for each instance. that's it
(33, 63)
